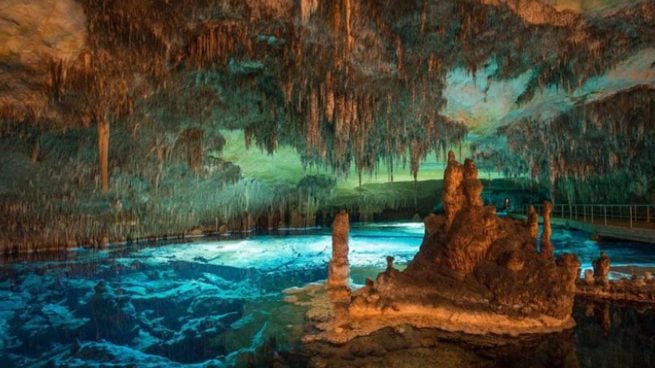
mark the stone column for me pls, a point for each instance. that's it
(533, 223)
(453, 192)
(339, 269)
(571, 265)
(602, 270)
(546, 246)
(472, 185)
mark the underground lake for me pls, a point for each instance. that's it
(217, 302)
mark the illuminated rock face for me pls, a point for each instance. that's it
(475, 272)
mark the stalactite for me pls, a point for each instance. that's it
(307, 9)
(103, 150)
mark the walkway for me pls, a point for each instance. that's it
(627, 222)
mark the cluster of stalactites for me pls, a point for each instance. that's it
(595, 139)
(219, 42)
(102, 85)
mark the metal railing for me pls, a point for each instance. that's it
(630, 214)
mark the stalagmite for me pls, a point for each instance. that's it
(339, 269)
(472, 185)
(452, 196)
(601, 270)
(546, 245)
(533, 222)
(571, 264)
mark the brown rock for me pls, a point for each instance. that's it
(601, 270)
(482, 274)
(473, 231)
(571, 266)
(432, 224)
(589, 277)
(512, 260)
(453, 193)
(339, 269)
(533, 222)
(547, 248)
(472, 185)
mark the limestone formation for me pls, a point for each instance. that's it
(453, 193)
(597, 285)
(533, 222)
(546, 245)
(472, 185)
(589, 277)
(339, 269)
(390, 263)
(465, 247)
(475, 273)
(512, 260)
(432, 224)
(571, 265)
(601, 270)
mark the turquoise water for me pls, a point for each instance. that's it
(214, 303)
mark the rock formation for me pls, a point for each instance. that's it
(533, 222)
(601, 270)
(453, 194)
(546, 245)
(339, 270)
(474, 272)
(597, 285)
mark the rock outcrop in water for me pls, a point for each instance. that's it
(474, 272)
(339, 270)
(597, 284)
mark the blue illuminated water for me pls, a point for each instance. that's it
(212, 303)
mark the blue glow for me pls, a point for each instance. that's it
(225, 296)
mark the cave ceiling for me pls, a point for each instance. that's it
(345, 81)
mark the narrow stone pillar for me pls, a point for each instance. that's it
(453, 192)
(571, 265)
(602, 270)
(339, 269)
(533, 222)
(546, 246)
(472, 185)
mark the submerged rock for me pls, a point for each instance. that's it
(112, 317)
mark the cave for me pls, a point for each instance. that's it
(327, 183)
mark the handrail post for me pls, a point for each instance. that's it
(630, 217)
(648, 214)
(605, 214)
(592, 213)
